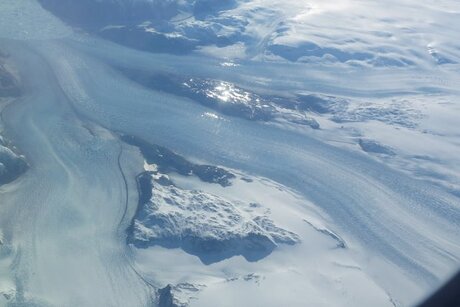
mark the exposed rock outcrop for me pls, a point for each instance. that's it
(202, 224)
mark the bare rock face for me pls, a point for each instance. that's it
(228, 98)
(167, 161)
(165, 297)
(93, 14)
(178, 295)
(11, 164)
(202, 224)
(208, 226)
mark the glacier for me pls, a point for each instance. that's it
(228, 153)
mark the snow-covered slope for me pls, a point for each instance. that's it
(363, 33)
(203, 224)
(12, 165)
(320, 137)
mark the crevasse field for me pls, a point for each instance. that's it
(228, 153)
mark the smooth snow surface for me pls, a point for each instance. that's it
(340, 121)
